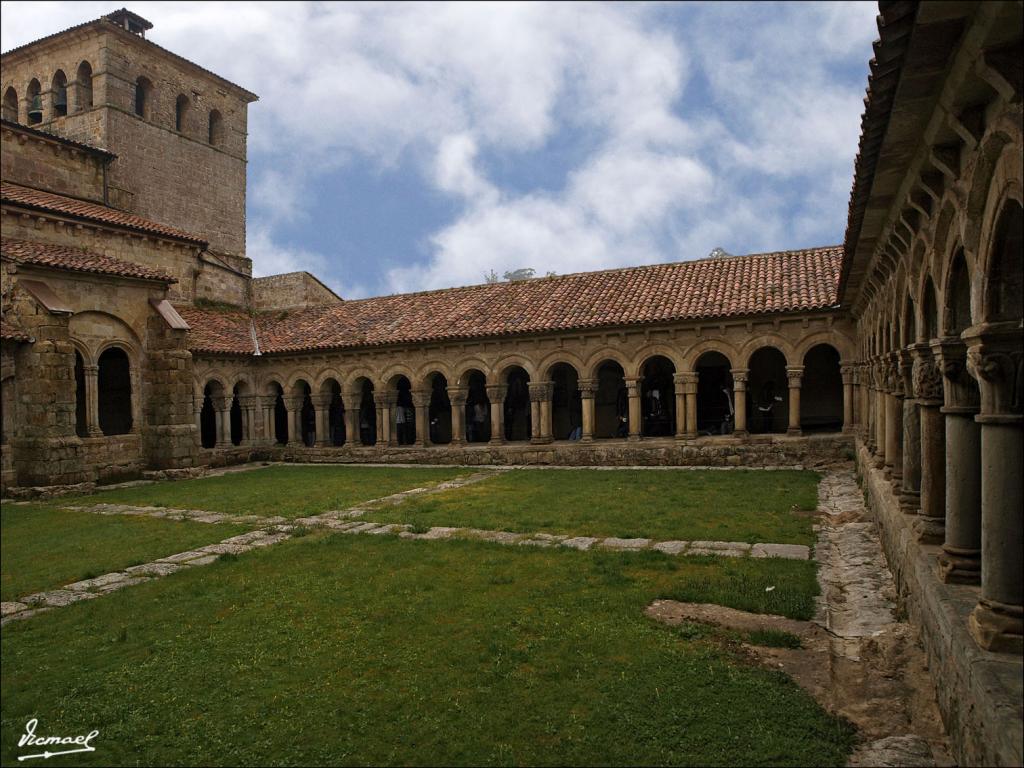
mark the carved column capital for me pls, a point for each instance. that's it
(928, 387)
(795, 374)
(587, 387)
(740, 376)
(540, 391)
(386, 399)
(321, 400)
(689, 381)
(457, 396)
(496, 392)
(294, 403)
(849, 373)
(421, 398)
(219, 402)
(633, 385)
(995, 357)
(960, 389)
(249, 401)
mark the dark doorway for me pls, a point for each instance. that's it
(658, 398)
(715, 414)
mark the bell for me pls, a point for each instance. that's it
(35, 111)
(60, 99)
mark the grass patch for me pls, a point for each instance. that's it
(741, 505)
(281, 490)
(367, 650)
(773, 638)
(42, 547)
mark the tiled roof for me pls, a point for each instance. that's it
(33, 131)
(729, 286)
(26, 197)
(76, 260)
(9, 331)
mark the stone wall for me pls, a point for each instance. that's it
(112, 459)
(48, 164)
(980, 692)
(293, 290)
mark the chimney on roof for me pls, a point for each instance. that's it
(130, 21)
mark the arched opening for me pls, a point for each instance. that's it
(611, 401)
(307, 413)
(909, 322)
(81, 420)
(821, 400)
(59, 94)
(84, 79)
(517, 405)
(10, 109)
(181, 110)
(658, 397)
(404, 417)
(715, 412)
(280, 414)
(331, 390)
(566, 403)
(367, 414)
(478, 408)
(235, 414)
(35, 102)
(931, 311)
(1005, 279)
(208, 414)
(215, 129)
(767, 390)
(958, 297)
(439, 413)
(143, 97)
(115, 392)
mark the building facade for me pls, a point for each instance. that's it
(135, 340)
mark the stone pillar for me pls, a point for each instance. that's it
(930, 525)
(321, 403)
(421, 402)
(894, 421)
(864, 410)
(268, 403)
(496, 394)
(385, 423)
(879, 406)
(996, 358)
(635, 421)
(588, 388)
(353, 404)
(222, 407)
(679, 380)
(197, 406)
(540, 411)
(847, 371)
(869, 407)
(910, 489)
(457, 397)
(92, 400)
(739, 392)
(795, 375)
(294, 406)
(690, 385)
(248, 404)
(960, 560)
(136, 399)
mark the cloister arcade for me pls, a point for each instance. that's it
(663, 394)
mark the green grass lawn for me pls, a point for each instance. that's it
(741, 505)
(331, 649)
(44, 548)
(280, 490)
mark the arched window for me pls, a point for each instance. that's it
(59, 94)
(236, 416)
(181, 107)
(81, 419)
(931, 311)
(115, 392)
(958, 296)
(143, 97)
(215, 133)
(1005, 280)
(84, 79)
(331, 391)
(208, 415)
(10, 111)
(35, 102)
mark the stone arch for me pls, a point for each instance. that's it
(478, 404)
(34, 96)
(278, 412)
(776, 340)
(657, 394)
(356, 376)
(843, 344)
(998, 267)
(114, 390)
(715, 409)
(439, 407)
(362, 393)
(694, 353)
(928, 307)
(143, 98)
(403, 411)
(560, 357)
(10, 104)
(611, 400)
(767, 382)
(215, 128)
(992, 169)
(821, 401)
(182, 108)
(389, 377)
(908, 321)
(297, 378)
(59, 94)
(83, 82)
(517, 406)
(655, 349)
(501, 367)
(427, 370)
(330, 390)
(212, 391)
(956, 312)
(325, 374)
(598, 358)
(566, 401)
(467, 367)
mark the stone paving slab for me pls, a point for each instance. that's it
(625, 544)
(786, 551)
(671, 547)
(6, 609)
(582, 543)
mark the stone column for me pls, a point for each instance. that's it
(795, 375)
(996, 358)
(960, 560)
(679, 380)
(879, 404)
(353, 404)
(294, 406)
(421, 402)
(540, 411)
(222, 407)
(894, 421)
(197, 407)
(739, 392)
(136, 399)
(268, 403)
(457, 397)
(847, 372)
(588, 388)
(910, 489)
(635, 421)
(930, 525)
(690, 385)
(248, 405)
(496, 394)
(385, 423)
(321, 403)
(869, 406)
(92, 400)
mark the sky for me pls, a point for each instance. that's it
(402, 147)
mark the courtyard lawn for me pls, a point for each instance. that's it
(331, 649)
(287, 491)
(740, 505)
(44, 548)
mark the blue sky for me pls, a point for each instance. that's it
(400, 147)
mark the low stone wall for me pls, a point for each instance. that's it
(758, 451)
(112, 458)
(980, 692)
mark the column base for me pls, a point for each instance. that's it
(541, 440)
(496, 441)
(930, 530)
(633, 438)
(95, 432)
(851, 430)
(587, 439)
(219, 444)
(740, 433)
(910, 502)
(997, 627)
(959, 566)
(689, 436)
(794, 432)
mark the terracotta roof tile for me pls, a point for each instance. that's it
(10, 331)
(711, 288)
(76, 260)
(15, 194)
